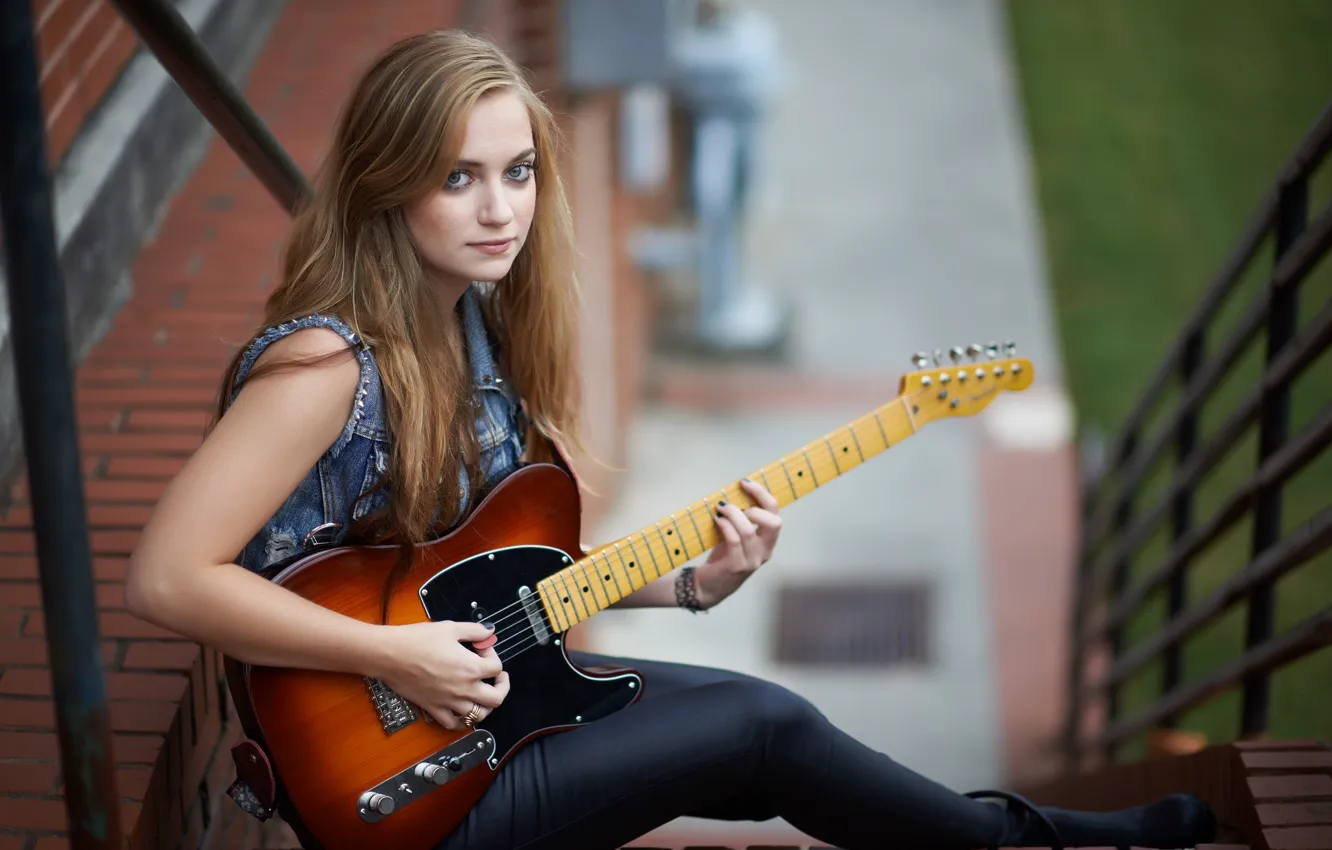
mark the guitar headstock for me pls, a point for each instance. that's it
(976, 376)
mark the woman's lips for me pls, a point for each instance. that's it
(497, 246)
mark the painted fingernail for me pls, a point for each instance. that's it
(488, 625)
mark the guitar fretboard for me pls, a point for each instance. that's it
(611, 573)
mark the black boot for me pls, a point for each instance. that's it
(1176, 821)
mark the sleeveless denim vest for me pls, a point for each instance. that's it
(329, 499)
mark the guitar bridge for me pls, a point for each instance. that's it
(394, 712)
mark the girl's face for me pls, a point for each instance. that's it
(473, 226)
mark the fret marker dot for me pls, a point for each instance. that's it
(585, 589)
(843, 449)
(607, 578)
(800, 474)
(631, 564)
(677, 551)
(669, 533)
(566, 599)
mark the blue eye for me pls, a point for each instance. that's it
(449, 181)
(522, 172)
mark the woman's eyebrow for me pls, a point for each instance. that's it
(469, 163)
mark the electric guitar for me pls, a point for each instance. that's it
(357, 766)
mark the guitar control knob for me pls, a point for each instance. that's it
(432, 773)
(380, 803)
(453, 763)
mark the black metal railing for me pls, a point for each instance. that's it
(46, 374)
(1162, 459)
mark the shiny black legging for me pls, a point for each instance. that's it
(714, 744)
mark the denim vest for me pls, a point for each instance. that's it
(329, 500)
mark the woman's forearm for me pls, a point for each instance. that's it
(251, 619)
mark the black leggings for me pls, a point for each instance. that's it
(714, 744)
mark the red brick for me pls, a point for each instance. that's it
(144, 467)
(191, 421)
(140, 444)
(165, 655)
(31, 652)
(27, 778)
(1294, 814)
(17, 542)
(112, 624)
(113, 542)
(27, 714)
(119, 686)
(92, 375)
(137, 748)
(1299, 838)
(25, 567)
(99, 516)
(1288, 760)
(43, 746)
(123, 491)
(25, 682)
(1275, 787)
(63, 124)
(99, 418)
(33, 814)
(111, 353)
(10, 622)
(27, 594)
(142, 715)
(25, 651)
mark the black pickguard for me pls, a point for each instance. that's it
(547, 691)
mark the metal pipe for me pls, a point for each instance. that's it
(170, 38)
(46, 401)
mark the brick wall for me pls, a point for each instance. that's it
(144, 391)
(83, 46)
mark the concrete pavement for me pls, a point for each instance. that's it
(895, 213)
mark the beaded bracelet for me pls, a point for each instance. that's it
(686, 590)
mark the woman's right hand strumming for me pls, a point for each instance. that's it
(431, 666)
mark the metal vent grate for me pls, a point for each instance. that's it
(860, 624)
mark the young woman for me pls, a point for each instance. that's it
(420, 346)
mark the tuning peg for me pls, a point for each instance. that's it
(938, 357)
(1010, 348)
(956, 354)
(992, 350)
(920, 359)
(973, 351)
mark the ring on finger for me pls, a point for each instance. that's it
(472, 716)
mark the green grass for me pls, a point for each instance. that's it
(1156, 127)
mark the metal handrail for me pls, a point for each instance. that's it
(1114, 529)
(46, 375)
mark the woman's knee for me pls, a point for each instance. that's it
(769, 707)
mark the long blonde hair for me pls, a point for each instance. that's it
(349, 254)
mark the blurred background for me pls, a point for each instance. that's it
(779, 203)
